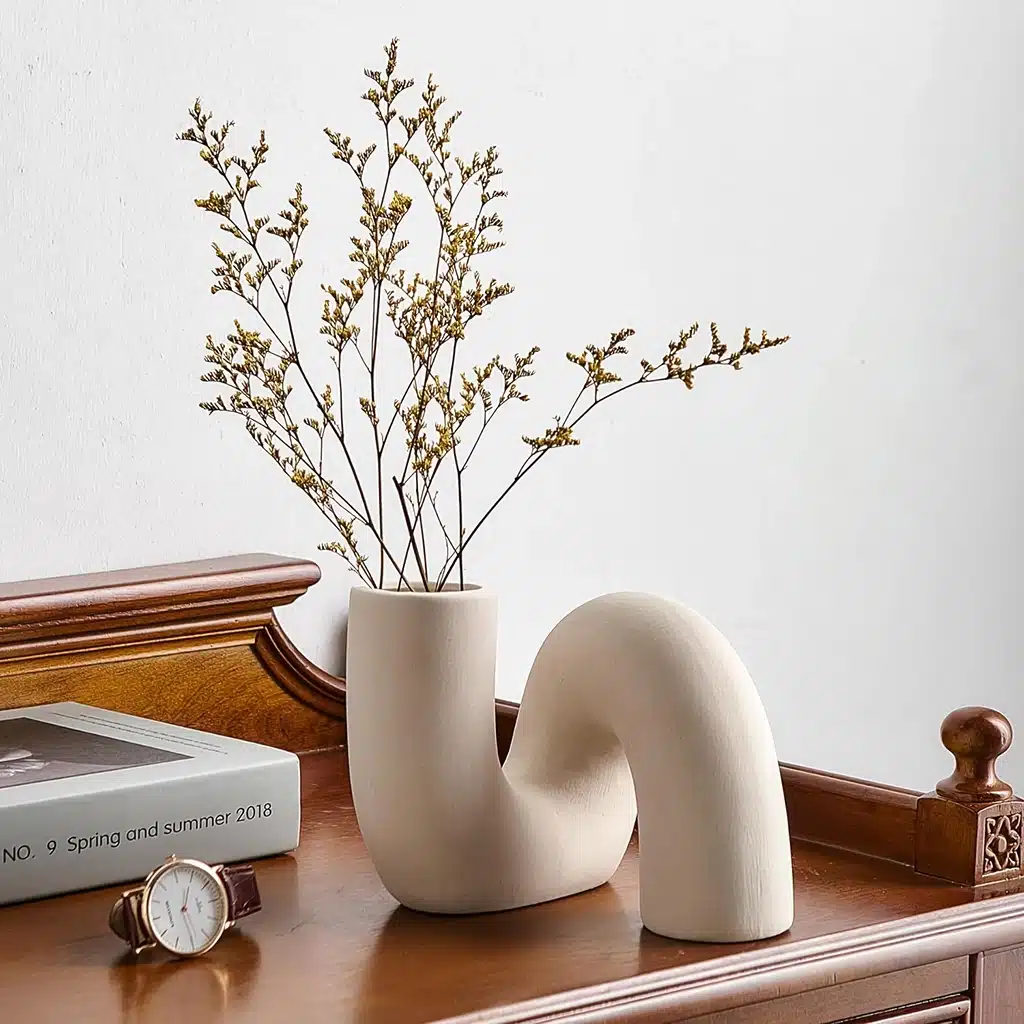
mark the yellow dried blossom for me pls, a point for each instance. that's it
(263, 371)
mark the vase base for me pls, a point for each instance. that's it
(483, 908)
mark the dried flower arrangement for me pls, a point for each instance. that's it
(441, 415)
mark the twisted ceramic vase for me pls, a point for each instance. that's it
(636, 708)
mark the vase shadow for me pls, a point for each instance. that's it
(423, 966)
(333, 655)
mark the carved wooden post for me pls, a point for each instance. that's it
(969, 829)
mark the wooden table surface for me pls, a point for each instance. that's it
(332, 945)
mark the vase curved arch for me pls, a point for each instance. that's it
(636, 709)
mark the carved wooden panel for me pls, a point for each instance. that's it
(1002, 843)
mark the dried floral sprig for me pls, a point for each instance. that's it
(441, 415)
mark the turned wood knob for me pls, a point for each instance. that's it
(975, 737)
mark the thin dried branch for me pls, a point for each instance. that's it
(434, 425)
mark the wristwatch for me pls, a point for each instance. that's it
(184, 906)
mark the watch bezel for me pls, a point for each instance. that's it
(172, 864)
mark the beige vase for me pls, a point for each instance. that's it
(634, 705)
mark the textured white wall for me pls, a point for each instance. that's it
(846, 509)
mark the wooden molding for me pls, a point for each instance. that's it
(293, 671)
(193, 643)
(865, 817)
(715, 985)
(168, 595)
(198, 643)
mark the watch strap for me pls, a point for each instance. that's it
(242, 891)
(126, 920)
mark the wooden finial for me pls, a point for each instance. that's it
(976, 737)
(970, 829)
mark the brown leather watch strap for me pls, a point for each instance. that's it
(243, 892)
(126, 920)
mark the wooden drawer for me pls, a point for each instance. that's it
(930, 989)
(945, 1011)
(999, 986)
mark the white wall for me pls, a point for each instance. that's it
(846, 509)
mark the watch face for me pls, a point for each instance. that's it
(185, 907)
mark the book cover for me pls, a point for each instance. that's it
(90, 797)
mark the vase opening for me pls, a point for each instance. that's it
(417, 588)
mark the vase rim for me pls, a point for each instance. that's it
(449, 591)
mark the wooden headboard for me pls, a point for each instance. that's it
(195, 643)
(198, 644)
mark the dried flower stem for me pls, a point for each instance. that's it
(443, 405)
(412, 531)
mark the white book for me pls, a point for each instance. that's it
(91, 797)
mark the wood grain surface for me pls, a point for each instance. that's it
(331, 945)
(999, 986)
(867, 817)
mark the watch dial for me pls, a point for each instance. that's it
(186, 909)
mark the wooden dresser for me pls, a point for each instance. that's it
(909, 908)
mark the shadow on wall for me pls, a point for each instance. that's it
(332, 655)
